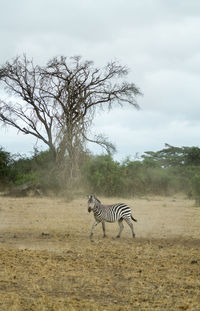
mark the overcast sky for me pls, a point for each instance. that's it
(159, 40)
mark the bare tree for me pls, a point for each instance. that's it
(56, 103)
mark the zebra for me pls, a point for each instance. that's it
(110, 213)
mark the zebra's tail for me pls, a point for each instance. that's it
(133, 218)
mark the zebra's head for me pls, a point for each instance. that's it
(92, 200)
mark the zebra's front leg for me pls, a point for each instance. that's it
(92, 231)
(104, 229)
(121, 227)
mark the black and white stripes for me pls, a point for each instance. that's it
(110, 213)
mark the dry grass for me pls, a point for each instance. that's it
(48, 263)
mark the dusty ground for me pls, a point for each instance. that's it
(47, 261)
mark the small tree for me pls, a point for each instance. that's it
(5, 159)
(56, 103)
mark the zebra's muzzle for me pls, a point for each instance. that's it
(89, 209)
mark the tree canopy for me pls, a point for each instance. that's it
(173, 156)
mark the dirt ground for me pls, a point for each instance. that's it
(47, 261)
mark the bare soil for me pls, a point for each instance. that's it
(47, 261)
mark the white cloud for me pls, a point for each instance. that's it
(15, 142)
(174, 93)
(139, 131)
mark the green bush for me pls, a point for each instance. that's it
(32, 178)
(103, 175)
(6, 173)
(196, 188)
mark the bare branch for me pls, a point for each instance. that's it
(102, 141)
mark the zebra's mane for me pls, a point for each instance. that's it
(97, 200)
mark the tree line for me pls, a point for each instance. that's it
(165, 172)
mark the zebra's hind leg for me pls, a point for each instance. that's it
(92, 231)
(128, 221)
(104, 229)
(121, 227)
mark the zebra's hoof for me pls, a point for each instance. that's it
(118, 236)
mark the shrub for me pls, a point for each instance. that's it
(103, 175)
(196, 189)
